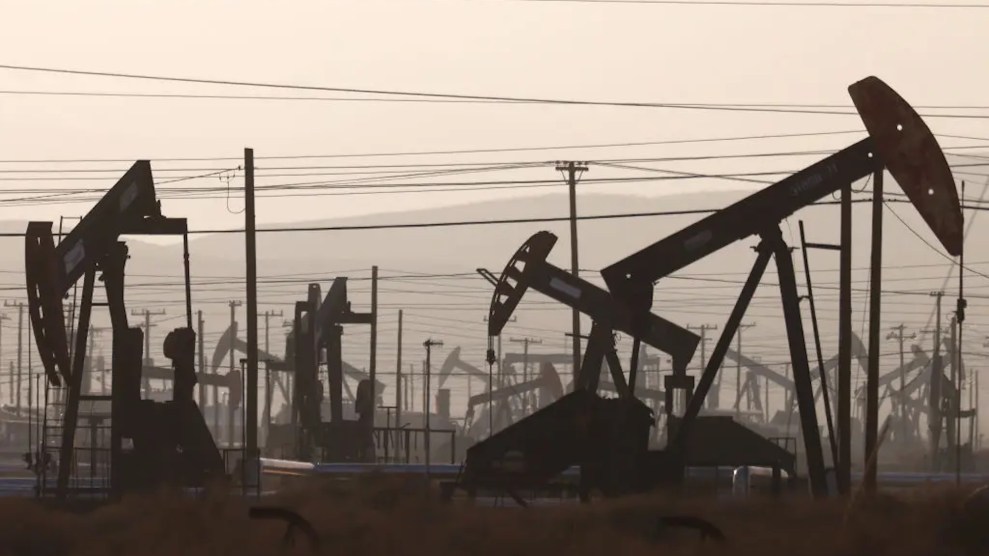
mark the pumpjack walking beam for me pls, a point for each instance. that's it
(898, 140)
(528, 268)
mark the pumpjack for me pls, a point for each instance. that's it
(229, 342)
(318, 329)
(898, 141)
(608, 437)
(506, 397)
(151, 443)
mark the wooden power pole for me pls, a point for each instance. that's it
(16, 390)
(398, 377)
(573, 169)
(713, 394)
(428, 344)
(875, 324)
(251, 396)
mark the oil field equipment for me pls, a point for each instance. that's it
(150, 443)
(318, 330)
(607, 438)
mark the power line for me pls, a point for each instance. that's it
(460, 223)
(461, 96)
(751, 3)
(455, 223)
(198, 192)
(463, 151)
(444, 166)
(477, 150)
(113, 94)
(343, 188)
(438, 166)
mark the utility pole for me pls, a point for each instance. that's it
(410, 388)
(16, 398)
(896, 333)
(975, 404)
(373, 364)
(937, 372)
(958, 379)
(87, 384)
(844, 463)
(3, 317)
(501, 375)
(428, 344)
(525, 362)
(875, 316)
(398, 378)
(959, 363)
(231, 414)
(490, 358)
(713, 394)
(251, 396)
(267, 336)
(147, 314)
(572, 169)
(267, 349)
(202, 359)
(147, 361)
(738, 365)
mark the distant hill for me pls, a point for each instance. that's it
(452, 307)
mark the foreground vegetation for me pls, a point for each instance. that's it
(386, 518)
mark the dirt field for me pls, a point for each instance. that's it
(378, 518)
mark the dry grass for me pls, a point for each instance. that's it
(383, 518)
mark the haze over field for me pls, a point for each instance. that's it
(761, 91)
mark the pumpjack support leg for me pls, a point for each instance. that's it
(633, 367)
(721, 348)
(74, 386)
(590, 368)
(801, 367)
(615, 368)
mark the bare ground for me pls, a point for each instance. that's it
(378, 517)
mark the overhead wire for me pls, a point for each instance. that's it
(461, 96)
(449, 151)
(768, 4)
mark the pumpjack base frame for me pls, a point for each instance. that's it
(608, 440)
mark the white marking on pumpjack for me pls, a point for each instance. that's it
(565, 288)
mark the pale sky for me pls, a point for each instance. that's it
(651, 53)
(614, 52)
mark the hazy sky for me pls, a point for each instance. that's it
(616, 52)
(564, 50)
